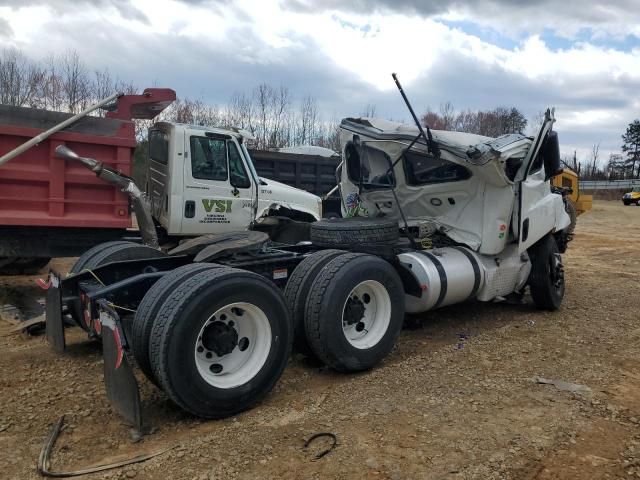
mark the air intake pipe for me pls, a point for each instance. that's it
(125, 184)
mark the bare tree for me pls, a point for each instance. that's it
(491, 123)
(52, 90)
(308, 121)
(576, 165)
(447, 114)
(239, 113)
(595, 153)
(76, 85)
(281, 103)
(432, 120)
(20, 79)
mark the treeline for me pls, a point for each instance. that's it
(60, 82)
(619, 166)
(490, 123)
(273, 115)
(270, 113)
(65, 83)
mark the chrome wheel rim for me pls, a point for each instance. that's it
(366, 314)
(233, 345)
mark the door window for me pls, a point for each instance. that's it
(423, 169)
(537, 164)
(238, 173)
(158, 146)
(208, 158)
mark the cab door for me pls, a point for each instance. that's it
(157, 187)
(536, 213)
(218, 192)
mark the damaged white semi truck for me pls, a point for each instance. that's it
(431, 218)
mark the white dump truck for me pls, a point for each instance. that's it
(202, 180)
(431, 219)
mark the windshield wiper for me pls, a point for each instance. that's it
(432, 146)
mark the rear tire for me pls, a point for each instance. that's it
(101, 255)
(195, 329)
(149, 308)
(354, 312)
(546, 279)
(113, 252)
(297, 291)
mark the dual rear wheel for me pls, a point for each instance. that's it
(348, 309)
(215, 339)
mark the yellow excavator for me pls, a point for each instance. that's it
(575, 202)
(568, 181)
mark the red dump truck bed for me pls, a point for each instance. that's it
(50, 207)
(38, 189)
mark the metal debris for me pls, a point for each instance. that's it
(45, 453)
(320, 435)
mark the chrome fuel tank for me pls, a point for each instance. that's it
(446, 275)
(454, 274)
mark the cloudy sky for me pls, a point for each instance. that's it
(581, 57)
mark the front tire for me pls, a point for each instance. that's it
(546, 280)
(570, 208)
(354, 312)
(221, 342)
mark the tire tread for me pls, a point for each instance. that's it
(149, 307)
(167, 320)
(297, 290)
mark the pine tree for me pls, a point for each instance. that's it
(631, 147)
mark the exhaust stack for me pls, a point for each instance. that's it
(126, 185)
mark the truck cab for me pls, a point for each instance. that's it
(201, 180)
(478, 191)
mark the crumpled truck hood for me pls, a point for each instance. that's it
(277, 194)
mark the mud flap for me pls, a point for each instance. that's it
(53, 314)
(120, 382)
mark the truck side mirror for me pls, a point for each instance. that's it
(551, 154)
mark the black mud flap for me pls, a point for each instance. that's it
(120, 382)
(53, 314)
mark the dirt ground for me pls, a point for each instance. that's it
(457, 398)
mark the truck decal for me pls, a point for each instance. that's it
(217, 206)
